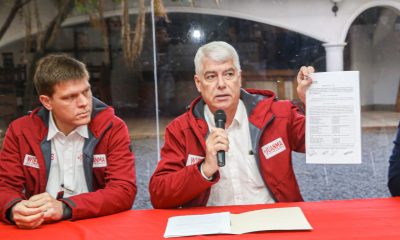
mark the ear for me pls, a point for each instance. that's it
(46, 102)
(240, 78)
(197, 82)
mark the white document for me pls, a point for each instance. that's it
(333, 128)
(193, 225)
(291, 218)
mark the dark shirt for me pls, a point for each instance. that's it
(394, 167)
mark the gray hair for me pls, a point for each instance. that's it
(217, 51)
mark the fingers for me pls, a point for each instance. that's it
(40, 201)
(216, 141)
(38, 209)
(25, 217)
(54, 211)
(221, 143)
(44, 201)
(306, 70)
(309, 69)
(22, 209)
(30, 223)
(304, 80)
(51, 207)
(304, 74)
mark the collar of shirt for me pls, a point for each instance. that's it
(53, 130)
(240, 115)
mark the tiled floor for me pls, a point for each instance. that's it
(379, 119)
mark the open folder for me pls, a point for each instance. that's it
(291, 218)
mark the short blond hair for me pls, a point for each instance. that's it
(54, 69)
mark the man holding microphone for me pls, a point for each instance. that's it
(259, 135)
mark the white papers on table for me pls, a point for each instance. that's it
(333, 129)
(192, 225)
(291, 218)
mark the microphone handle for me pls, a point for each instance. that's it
(221, 158)
(221, 153)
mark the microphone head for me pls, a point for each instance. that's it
(219, 116)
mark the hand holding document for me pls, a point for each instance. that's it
(333, 129)
(291, 218)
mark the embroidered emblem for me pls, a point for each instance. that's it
(99, 160)
(31, 161)
(273, 148)
(193, 159)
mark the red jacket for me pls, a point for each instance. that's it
(111, 189)
(178, 182)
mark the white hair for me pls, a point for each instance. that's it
(217, 51)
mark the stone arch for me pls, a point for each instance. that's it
(374, 52)
(378, 3)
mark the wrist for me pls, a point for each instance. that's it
(10, 211)
(204, 174)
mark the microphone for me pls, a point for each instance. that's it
(220, 120)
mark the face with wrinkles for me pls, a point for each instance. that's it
(71, 104)
(219, 84)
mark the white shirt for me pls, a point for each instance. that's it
(240, 179)
(66, 170)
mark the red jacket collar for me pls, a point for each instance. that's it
(101, 119)
(258, 104)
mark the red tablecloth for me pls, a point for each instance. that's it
(347, 219)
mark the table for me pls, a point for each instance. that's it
(337, 219)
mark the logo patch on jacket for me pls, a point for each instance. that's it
(31, 161)
(273, 148)
(99, 160)
(193, 159)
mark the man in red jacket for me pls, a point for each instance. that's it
(259, 136)
(71, 158)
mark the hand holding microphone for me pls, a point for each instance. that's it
(216, 144)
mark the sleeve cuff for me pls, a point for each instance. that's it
(67, 211)
(202, 173)
(9, 216)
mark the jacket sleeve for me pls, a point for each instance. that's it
(173, 184)
(297, 129)
(394, 167)
(119, 189)
(11, 175)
